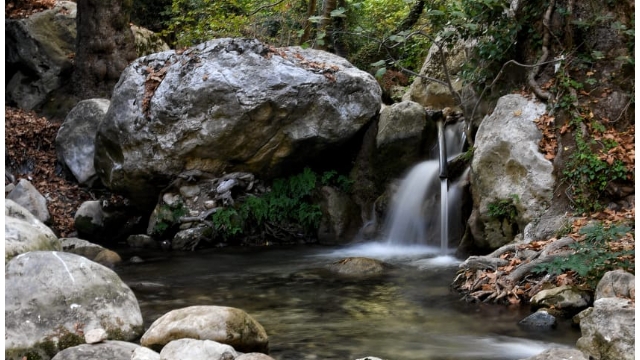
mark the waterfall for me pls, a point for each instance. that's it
(418, 215)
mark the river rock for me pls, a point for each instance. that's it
(81, 247)
(91, 251)
(617, 283)
(359, 266)
(567, 299)
(112, 350)
(104, 223)
(226, 325)
(28, 197)
(254, 356)
(540, 320)
(24, 233)
(197, 349)
(507, 166)
(143, 353)
(559, 354)
(608, 330)
(75, 141)
(228, 105)
(50, 297)
(95, 336)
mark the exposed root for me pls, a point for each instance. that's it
(505, 275)
(542, 94)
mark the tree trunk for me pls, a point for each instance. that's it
(104, 46)
(326, 24)
(339, 27)
(311, 11)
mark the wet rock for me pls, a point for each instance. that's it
(108, 258)
(142, 241)
(81, 247)
(226, 325)
(540, 320)
(359, 266)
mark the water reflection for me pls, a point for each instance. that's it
(310, 313)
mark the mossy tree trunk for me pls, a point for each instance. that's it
(104, 46)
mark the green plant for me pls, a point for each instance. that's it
(342, 182)
(593, 255)
(504, 209)
(167, 216)
(467, 156)
(588, 175)
(289, 202)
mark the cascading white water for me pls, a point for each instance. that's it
(415, 217)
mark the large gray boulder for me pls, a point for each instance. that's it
(75, 142)
(52, 297)
(608, 330)
(223, 324)
(228, 105)
(507, 167)
(23, 232)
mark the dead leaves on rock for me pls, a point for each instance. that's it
(153, 80)
(548, 145)
(324, 69)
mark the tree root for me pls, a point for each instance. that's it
(502, 276)
(542, 94)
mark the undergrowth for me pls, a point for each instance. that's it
(594, 255)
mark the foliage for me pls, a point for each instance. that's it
(504, 209)
(593, 256)
(196, 21)
(342, 182)
(168, 216)
(590, 168)
(588, 175)
(291, 201)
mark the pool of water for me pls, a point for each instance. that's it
(310, 313)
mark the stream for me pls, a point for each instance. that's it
(310, 313)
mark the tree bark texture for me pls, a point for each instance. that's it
(104, 46)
